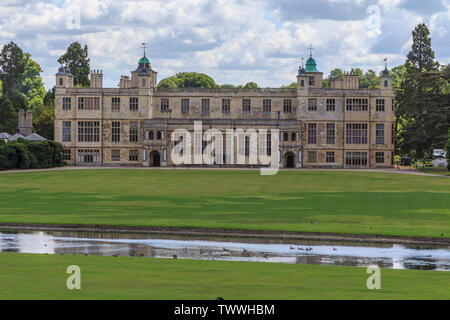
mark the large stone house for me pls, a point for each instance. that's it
(136, 124)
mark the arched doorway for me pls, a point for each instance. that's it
(290, 160)
(155, 159)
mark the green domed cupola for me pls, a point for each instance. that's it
(311, 65)
(144, 63)
(144, 60)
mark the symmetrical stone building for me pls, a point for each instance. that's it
(338, 127)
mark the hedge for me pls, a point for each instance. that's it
(24, 154)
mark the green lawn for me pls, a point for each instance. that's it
(27, 276)
(441, 171)
(311, 201)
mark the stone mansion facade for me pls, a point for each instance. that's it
(338, 127)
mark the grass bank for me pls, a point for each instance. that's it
(30, 276)
(308, 201)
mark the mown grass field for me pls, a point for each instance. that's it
(310, 201)
(30, 276)
(441, 171)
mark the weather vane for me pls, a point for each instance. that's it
(144, 45)
(310, 50)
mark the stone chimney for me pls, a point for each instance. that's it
(96, 79)
(125, 82)
(25, 125)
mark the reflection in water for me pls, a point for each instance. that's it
(344, 254)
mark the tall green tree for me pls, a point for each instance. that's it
(12, 67)
(32, 85)
(76, 58)
(421, 57)
(44, 116)
(423, 107)
(8, 116)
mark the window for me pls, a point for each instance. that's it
(379, 157)
(143, 82)
(88, 131)
(88, 103)
(226, 106)
(357, 104)
(312, 104)
(134, 155)
(115, 155)
(331, 104)
(246, 107)
(66, 131)
(115, 131)
(67, 103)
(285, 136)
(67, 155)
(356, 133)
(312, 133)
(269, 144)
(150, 135)
(330, 157)
(393, 134)
(380, 105)
(88, 156)
(164, 105)
(302, 83)
(287, 105)
(380, 134)
(205, 107)
(184, 106)
(61, 81)
(386, 83)
(311, 81)
(247, 146)
(115, 105)
(312, 156)
(293, 136)
(267, 106)
(331, 133)
(134, 136)
(356, 159)
(158, 135)
(134, 104)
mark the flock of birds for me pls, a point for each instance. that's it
(244, 253)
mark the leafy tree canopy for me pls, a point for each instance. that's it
(12, 67)
(421, 56)
(188, 80)
(251, 85)
(32, 86)
(8, 116)
(76, 58)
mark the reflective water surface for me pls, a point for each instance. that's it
(303, 252)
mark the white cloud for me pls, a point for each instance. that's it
(234, 41)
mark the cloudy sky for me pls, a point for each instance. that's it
(234, 41)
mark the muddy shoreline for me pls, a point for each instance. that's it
(233, 233)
